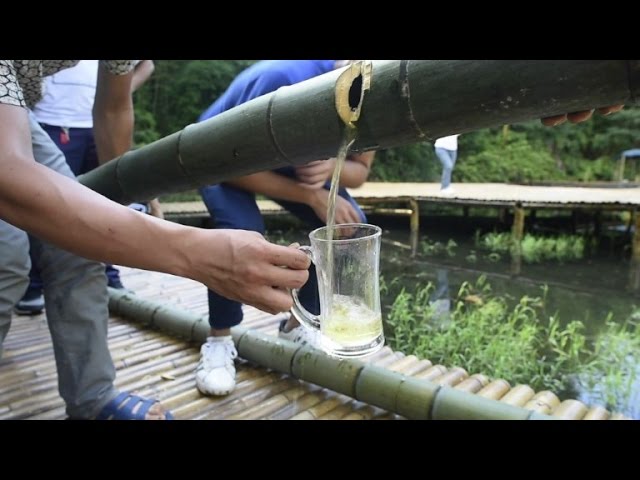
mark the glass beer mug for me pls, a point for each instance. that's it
(347, 267)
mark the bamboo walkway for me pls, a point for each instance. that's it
(471, 194)
(155, 364)
(502, 194)
(519, 198)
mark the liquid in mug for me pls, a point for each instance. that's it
(351, 323)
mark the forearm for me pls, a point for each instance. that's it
(273, 185)
(113, 133)
(141, 74)
(112, 115)
(240, 265)
(88, 224)
(356, 170)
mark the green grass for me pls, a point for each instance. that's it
(534, 248)
(515, 340)
(429, 247)
(614, 366)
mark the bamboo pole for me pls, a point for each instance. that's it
(518, 395)
(453, 377)
(495, 390)
(570, 410)
(634, 265)
(408, 396)
(431, 373)
(408, 101)
(517, 232)
(415, 226)
(597, 413)
(620, 172)
(543, 402)
(474, 383)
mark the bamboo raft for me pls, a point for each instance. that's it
(155, 364)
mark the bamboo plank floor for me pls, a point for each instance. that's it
(155, 364)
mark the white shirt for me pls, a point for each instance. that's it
(449, 143)
(68, 96)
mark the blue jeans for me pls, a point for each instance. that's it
(79, 150)
(448, 161)
(235, 208)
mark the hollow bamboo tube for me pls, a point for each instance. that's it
(597, 413)
(518, 395)
(570, 410)
(495, 390)
(543, 402)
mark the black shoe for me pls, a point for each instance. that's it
(31, 304)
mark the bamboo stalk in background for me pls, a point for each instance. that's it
(408, 101)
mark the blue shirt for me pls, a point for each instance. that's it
(264, 77)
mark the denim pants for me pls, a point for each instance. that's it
(235, 208)
(448, 160)
(75, 291)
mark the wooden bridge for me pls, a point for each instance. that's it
(468, 194)
(519, 198)
(157, 364)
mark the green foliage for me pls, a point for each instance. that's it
(411, 163)
(494, 241)
(535, 249)
(429, 248)
(598, 137)
(179, 91)
(145, 130)
(507, 159)
(601, 169)
(613, 369)
(518, 341)
(488, 336)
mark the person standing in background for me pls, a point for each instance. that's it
(447, 151)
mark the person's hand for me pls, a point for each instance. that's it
(242, 266)
(314, 175)
(155, 208)
(345, 213)
(577, 117)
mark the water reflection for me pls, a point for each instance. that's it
(440, 300)
(586, 291)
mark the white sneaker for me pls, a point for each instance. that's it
(447, 191)
(216, 372)
(299, 334)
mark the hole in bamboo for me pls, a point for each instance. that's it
(355, 93)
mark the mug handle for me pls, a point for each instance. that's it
(305, 317)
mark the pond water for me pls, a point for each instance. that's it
(587, 290)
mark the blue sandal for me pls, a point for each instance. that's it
(123, 405)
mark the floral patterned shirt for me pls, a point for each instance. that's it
(21, 80)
